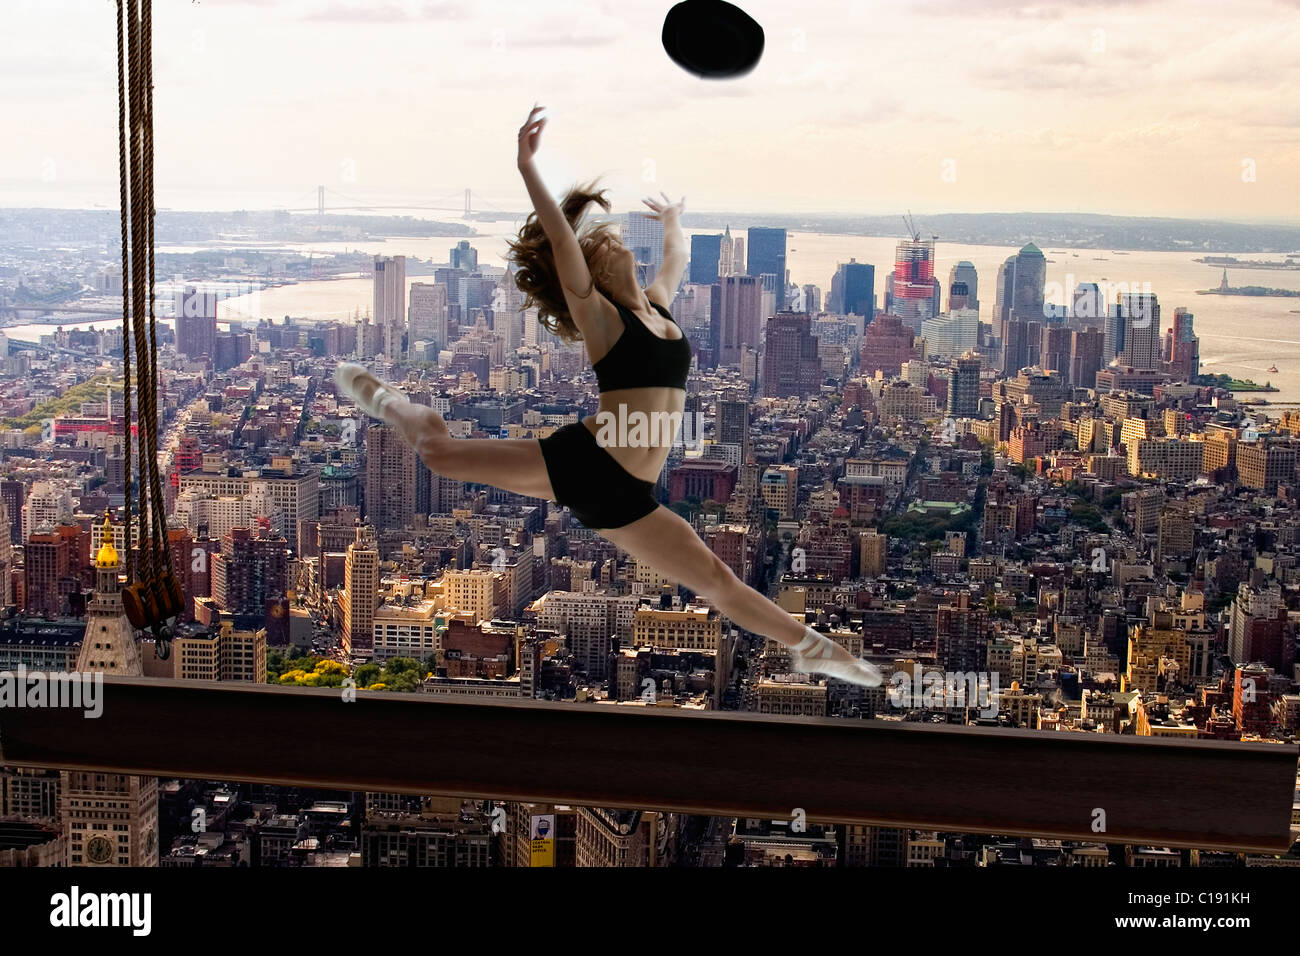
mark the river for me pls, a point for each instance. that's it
(1240, 335)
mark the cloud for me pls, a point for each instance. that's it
(554, 39)
(391, 12)
(1011, 9)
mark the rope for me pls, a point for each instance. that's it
(126, 287)
(153, 570)
(138, 215)
(162, 554)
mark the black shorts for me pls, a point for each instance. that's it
(586, 479)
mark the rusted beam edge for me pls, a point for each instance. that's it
(1208, 794)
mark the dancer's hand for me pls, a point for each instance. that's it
(529, 136)
(668, 214)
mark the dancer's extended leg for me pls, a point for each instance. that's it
(670, 545)
(512, 464)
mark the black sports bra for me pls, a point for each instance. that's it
(641, 359)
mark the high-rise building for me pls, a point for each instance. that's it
(964, 387)
(1088, 306)
(964, 274)
(1116, 330)
(1141, 314)
(886, 344)
(706, 258)
(767, 257)
(734, 317)
(1086, 350)
(250, 574)
(644, 236)
(51, 570)
(109, 819)
(222, 653)
(853, 290)
(360, 595)
(427, 315)
(733, 425)
(47, 503)
(911, 286)
(390, 479)
(6, 558)
(1027, 286)
(463, 256)
(951, 334)
(811, 299)
(1004, 296)
(14, 494)
(790, 362)
(196, 324)
(1054, 353)
(1184, 349)
(1019, 345)
(389, 314)
(731, 255)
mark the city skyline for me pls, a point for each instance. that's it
(1120, 108)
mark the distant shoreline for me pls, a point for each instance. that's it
(1254, 292)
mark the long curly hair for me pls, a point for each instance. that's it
(536, 275)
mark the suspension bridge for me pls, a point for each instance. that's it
(468, 203)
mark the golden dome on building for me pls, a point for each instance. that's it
(107, 554)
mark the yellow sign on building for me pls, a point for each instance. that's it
(542, 840)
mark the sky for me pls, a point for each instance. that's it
(1178, 108)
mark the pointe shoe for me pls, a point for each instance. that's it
(816, 654)
(348, 376)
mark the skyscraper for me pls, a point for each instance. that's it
(1116, 333)
(390, 479)
(733, 424)
(1028, 283)
(360, 594)
(853, 290)
(791, 365)
(1086, 349)
(706, 256)
(1004, 295)
(645, 238)
(389, 315)
(1054, 353)
(1088, 307)
(734, 317)
(1141, 314)
(463, 256)
(196, 324)
(964, 387)
(109, 819)
(731, 255)
(767, 257)
(1020, 345)
(964, 273)
(912, 294)
(952, 334)
(1184, 347)
(428, 314)
(886, 345)
(250, 574)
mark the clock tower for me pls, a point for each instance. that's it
(110, 819)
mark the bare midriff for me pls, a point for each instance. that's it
(641, 455)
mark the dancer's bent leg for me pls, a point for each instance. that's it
(512, 464)
(668, 543)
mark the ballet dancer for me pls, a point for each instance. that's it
(584, 286)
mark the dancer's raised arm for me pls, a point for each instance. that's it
(669, 276)
(570, 263)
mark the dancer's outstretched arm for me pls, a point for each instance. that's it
(575, 278)
(669, 276)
